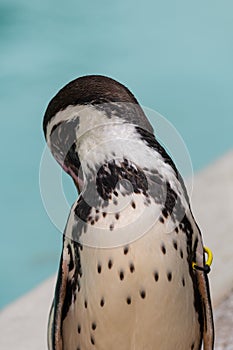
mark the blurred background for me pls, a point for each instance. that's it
(175, 56)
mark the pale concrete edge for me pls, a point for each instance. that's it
(212, 206)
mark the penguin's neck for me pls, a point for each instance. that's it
(106, 143)
(117, 152)
(116, 145)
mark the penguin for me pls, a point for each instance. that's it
(133, 272)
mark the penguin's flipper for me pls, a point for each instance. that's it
(55, 341)
(204, 291)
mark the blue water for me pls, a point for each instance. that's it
(176, 56)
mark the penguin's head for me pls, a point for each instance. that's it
(86, 104)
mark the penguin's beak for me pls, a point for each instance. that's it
(79, 184)
(77, 176)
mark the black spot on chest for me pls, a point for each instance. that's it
(171, 199)
(111, 175)
(82, 209)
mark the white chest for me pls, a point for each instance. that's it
(137, 296)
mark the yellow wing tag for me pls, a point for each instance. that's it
(206, 267)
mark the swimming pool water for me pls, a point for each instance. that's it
(176, 57)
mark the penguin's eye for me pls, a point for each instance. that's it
(62, 140)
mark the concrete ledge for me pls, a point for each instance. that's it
(23, 324)
(212, 204)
